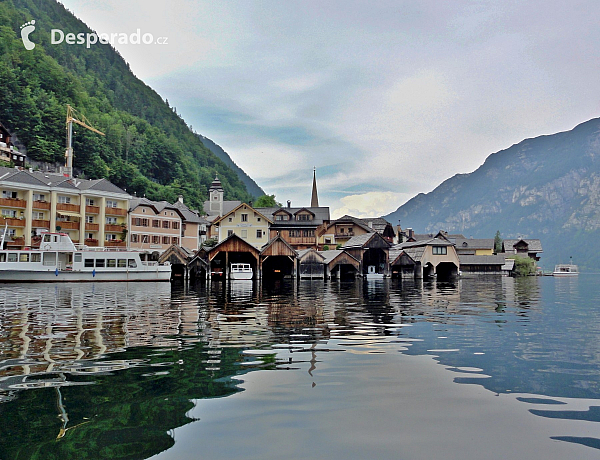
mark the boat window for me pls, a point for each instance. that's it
(131, 263)
(99, 262)
(111, 263)
(78, 257)
(121, 263)
(12, 256)
(36, 257)
(24, 257)
(47, 239)
(50, 258)
(3, 257)
(88, 263)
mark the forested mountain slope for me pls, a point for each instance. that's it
(148, 149)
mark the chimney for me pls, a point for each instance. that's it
(289, 203)
(371, 224)
(410, 232)
(180, 199)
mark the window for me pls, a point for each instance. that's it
(24, 257)
(231, 219)
(89, 202)
(49, 258)
(37, 215)
(121, 263)
(3, 257)
(64, 199)
(99, 263)
(140, 222)
(36, 257)
(112, 263)
(111, 220)
(166, 240)
(9, 194)
(89, 236)
(302, 217)
(282, 217)
(89, 219)
(175, 240)
(131, 263)
(259, 233)
(12, 256)
(111, 237)
(156, 223)
(440, 250)
(134, 238)
(327, 240)
(11, 232)
(175, 225)
(166, 224)
(244, 217)
(258, 219)
(244, 233)
(229, 232)
(9, 213)
(39, 197)
(78, 257)
(155, 239)
(111, 204)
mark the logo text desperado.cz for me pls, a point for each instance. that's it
(89, 39)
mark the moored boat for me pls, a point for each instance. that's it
(60, 260)
(240, 272)
(566, 270)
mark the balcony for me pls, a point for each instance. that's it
(12, 203)
(115, 212)
(67, 225)
(310, 240)
(90, 227)
(12, 222)
(41, 205)
(92, 242)
(16, 242)
(37, 223)
(344, 235)
(115, 244)
(92, 209)
(114, 228)
(67, 207)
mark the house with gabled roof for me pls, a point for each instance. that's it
(248, 223)
(432, 257)
(530, 247)
(93, 212)
(154, 225)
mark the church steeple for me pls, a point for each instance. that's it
(314, 202)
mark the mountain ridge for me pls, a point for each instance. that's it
(545, 187)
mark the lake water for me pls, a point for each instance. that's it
(491, 368)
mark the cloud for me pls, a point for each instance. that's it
(370, 204)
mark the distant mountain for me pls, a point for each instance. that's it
(148, 148)
(251, 186)
(547, 187)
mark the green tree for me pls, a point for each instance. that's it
(497, 243)
(266, 201)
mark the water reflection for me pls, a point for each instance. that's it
(110, 370)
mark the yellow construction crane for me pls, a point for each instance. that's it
(74, 117)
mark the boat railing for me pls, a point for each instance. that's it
(83, 247)
(150, 263)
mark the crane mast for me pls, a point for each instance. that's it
(74, 117)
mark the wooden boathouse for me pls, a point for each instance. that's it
(372, 251)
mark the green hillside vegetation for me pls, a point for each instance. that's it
(547, 188)
(148, 149)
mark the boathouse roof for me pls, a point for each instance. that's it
(534, 245)
(496, 259)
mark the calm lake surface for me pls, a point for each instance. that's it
(490, 368)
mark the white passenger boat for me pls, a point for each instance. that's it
(240, 272)
(60, 260)
(566, 270)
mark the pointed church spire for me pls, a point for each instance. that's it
(314, 202)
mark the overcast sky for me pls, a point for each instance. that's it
(385, 98)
